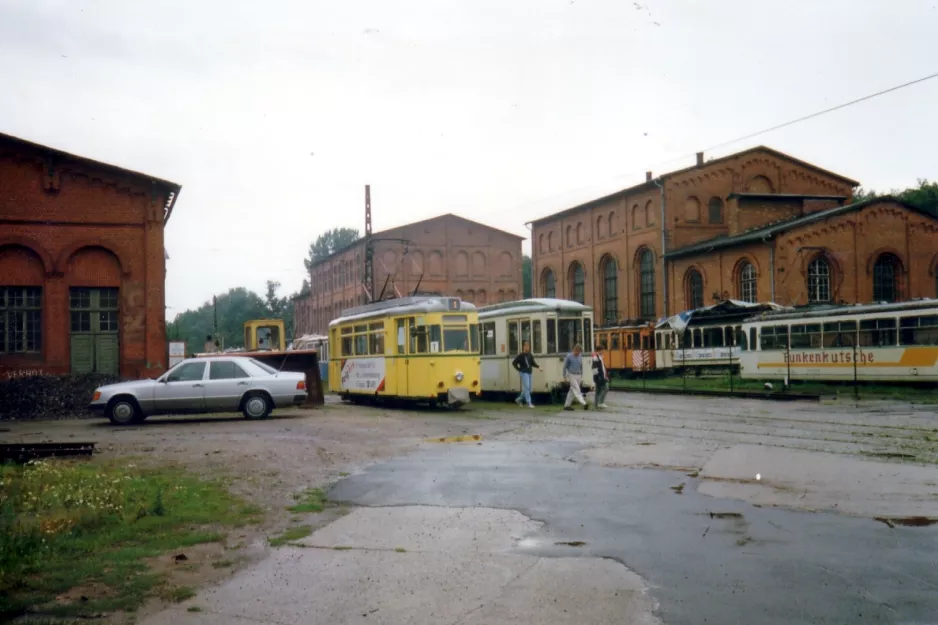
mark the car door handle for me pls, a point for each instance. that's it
(242, 384)
(198, 386)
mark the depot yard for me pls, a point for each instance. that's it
(262, 485)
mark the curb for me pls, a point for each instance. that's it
(713, 393)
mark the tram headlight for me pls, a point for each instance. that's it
(459, 376)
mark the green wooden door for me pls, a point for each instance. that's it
(94, 330)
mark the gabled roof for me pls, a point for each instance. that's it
(172, 188)
(770, 230)
(651, 184)
(380, 233)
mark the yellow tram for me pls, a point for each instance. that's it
(414, 348)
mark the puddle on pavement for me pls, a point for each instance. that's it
(571, 543)
(909, 521)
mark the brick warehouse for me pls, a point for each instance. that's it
(757, 225)
(82, 264)
(446, 255)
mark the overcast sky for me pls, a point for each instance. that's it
(274, 115)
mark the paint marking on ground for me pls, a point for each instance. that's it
(468, 438)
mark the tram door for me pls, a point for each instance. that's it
(401, 362)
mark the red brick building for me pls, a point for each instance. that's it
(757, 225)
(445, 255)
(82, 264)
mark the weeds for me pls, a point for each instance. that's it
(65, 524)
(290, 535)
(310, 500)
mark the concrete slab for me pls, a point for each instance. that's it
(454, 566)
(819, 481)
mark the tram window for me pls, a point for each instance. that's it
(361, 329)
(551, 336)
(918, 330)
(728, 336)
(713, 337)
(588, 335)
(840, 334)
(436, 339)
(570, 333)
(536, 335)
(513, 337)
(455, 319)
(361, 344)
(376, 338)
(346, 345)
(629, 341)
(741, 339)
(806, 336)
(774, 337)
(474, 338)
(488, 338)
(877, 332)
(645, 341)
(698, 338)
(455, 339)
(615, 341)
(525, 332)
(418, 338)
(401, 337)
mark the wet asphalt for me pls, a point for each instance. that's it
(705, 560)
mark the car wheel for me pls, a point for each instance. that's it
(124, 411)
(256, 407)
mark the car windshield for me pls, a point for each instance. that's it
(266, 368)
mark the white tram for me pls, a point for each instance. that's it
(551, 326)
(870, 342)
(705, 338)
(319, 342)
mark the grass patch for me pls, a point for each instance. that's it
(70, 524)
(310, 500)
(194, 608)
(292, 534)
(223, 564)
(917, 394)
(400, 550)
(177, 594)
(342, 548)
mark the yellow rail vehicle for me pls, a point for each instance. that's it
(422, 349)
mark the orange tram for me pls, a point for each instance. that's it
(630, 347)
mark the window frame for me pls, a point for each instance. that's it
(27, 315)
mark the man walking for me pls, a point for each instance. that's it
(573, 373)
(600, 378)
(524, 364)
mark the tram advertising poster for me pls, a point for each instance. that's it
(363, 374)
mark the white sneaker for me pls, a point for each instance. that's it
(530, 405)
(518, 400)
(603, 406)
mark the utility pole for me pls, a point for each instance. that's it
(369, 277)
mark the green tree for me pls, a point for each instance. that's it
(328, 243)
(924, 196)
(526, 264)
(232, 309)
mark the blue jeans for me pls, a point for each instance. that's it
(525, 395)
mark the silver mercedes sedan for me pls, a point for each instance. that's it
(200, 385)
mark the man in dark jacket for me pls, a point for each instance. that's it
(524, 364)
(600, 377)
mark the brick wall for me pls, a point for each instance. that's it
(447, 255)
(68, 222)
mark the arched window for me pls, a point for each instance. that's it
(760, 184)
(569, 240)
(646, 270)
(612, 223)
(540, 243)
(636, 217)
(886, 273)
(693, 286)
(599, 227)
(579, 233)
(577, 281)
(610, 290)
(692, 209)
(747, 282)
(715, 210)
(649, 213)
(550, 241)
(549, 284)
(819, 281)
